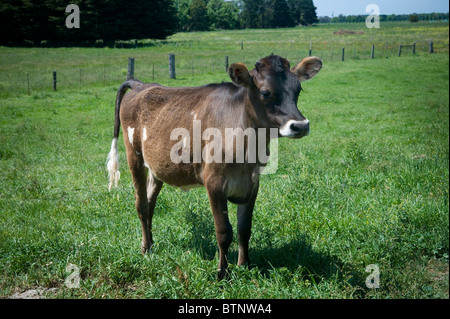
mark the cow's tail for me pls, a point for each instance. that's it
(112, 162)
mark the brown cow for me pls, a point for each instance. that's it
(265, 97)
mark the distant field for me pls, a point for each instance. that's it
(368, 186)
(200, 53)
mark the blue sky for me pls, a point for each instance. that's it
(346, 7)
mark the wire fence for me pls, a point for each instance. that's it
(108, 67)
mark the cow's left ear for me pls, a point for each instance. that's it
(239, 74)
(307, 68)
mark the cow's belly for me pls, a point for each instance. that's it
(157, 159)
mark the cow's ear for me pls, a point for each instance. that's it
(307, 68)
(239, 74)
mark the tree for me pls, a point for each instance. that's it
(281, 15)
(198, 16)
(223, 14)
(303, 12)
(182, 7)
(251, 13)
(413, 17)
(307, 12)
(109, 20)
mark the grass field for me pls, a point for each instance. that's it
(369, 185)
(200, 54)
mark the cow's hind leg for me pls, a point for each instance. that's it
(153, 188)
(139, 175)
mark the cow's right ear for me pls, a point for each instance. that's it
(239, 74)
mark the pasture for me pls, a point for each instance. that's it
(368, 186)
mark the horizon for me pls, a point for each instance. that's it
(332, 8)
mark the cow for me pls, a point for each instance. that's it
(263, 98)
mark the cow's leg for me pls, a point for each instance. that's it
(224, 231)
(139, 175)
(153, 188)
(244, 224)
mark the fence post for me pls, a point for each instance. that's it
(400, 50)
(430, 47)
(414, 48)
(153, 72)
(172, 65)
(372, 53)
(54, 80)
(343, 54)
(226, 63)
(130, 71)
(310, 48)
(242, 45)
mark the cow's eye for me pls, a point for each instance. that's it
(265, 93)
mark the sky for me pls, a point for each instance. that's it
(347, 7)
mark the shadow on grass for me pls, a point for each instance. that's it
(294, 255)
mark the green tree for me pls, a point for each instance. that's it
(252, 11)
(24, 20)
(182, 7)
(223, 14)
(198, 16)
(413, 17)
(110, 20)
(281, 15)
(303, 11)
(308, 13)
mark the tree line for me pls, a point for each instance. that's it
(201, 15)
(37, 22)
(414, 17)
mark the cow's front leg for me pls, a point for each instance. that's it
(244, 224)
(224, 231)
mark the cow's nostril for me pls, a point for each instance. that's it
(294, 127)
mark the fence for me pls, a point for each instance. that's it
(188, 61)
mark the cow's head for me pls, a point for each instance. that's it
(273, 87)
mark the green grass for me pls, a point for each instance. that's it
(369, 185)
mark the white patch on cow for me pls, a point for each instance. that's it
(146, 165)
(286, 129)
(144, 134)
(130, 134)
(112, 164)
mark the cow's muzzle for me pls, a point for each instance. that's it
(295, 129)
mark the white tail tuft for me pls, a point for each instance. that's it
(113, 164)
